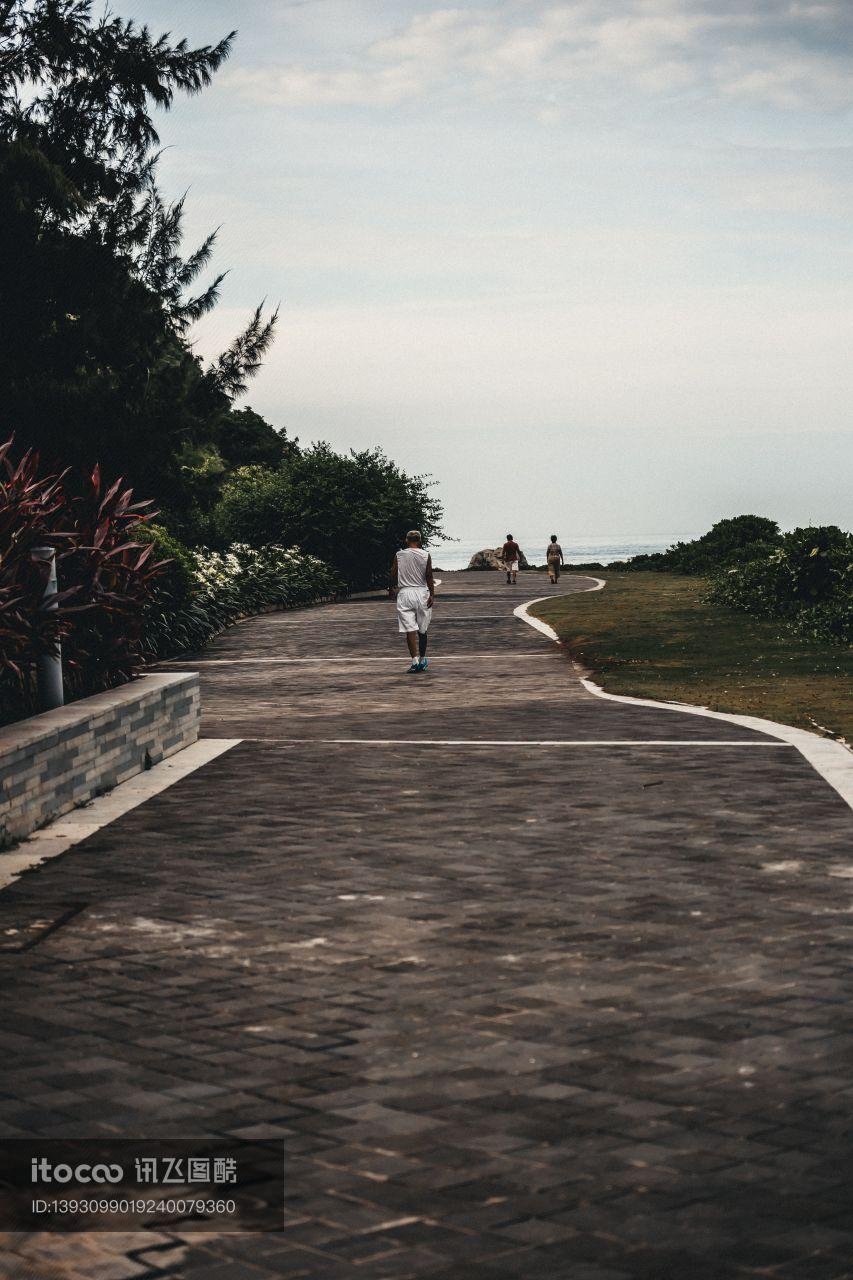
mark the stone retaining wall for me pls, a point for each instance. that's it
(53, 762)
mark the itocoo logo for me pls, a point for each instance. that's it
(43, 1171)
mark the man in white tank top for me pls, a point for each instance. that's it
(411, 577)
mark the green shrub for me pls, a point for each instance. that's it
(255, 507)
(807, 581)
(350, 510)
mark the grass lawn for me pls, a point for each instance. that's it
(651, 635)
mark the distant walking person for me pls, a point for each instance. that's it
(511, 554)
(411, 577)
(554, 556)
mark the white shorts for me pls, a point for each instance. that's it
(413, 613)
(512, 566)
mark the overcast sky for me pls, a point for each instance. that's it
(588, 263)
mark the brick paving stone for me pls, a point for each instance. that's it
(504, 1027)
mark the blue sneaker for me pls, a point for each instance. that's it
(423, 664)
(414, 668)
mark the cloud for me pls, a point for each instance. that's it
(797, 81)
(781, 53)
(299, 86)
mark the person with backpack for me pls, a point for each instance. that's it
(511, 555)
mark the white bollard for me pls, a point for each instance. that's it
(50, 690)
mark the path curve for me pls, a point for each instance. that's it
(832, 760)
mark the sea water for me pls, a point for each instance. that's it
(578, 550)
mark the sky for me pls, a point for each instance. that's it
(588, 264)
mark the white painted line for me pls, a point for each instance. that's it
(528, 742)
(71, 828)
(537, 623)
(351, 661)
(832, 760)
(522, 610)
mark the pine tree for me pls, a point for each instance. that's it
(96, 295)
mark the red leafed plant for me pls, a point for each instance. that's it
(115, 577)
(32, 511)
(106, 581)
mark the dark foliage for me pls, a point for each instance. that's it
(246, 439)
(95, 293)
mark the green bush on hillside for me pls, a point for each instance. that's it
(731, 541)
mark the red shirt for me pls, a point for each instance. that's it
(511, 551)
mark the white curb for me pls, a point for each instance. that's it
(832, 760)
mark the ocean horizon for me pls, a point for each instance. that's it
(450, 555)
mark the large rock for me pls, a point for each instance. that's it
(491, 559)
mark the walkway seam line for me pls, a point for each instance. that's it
(831, 759)
(525, 742)
(349, 662)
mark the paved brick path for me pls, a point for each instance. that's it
(572, 1011)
